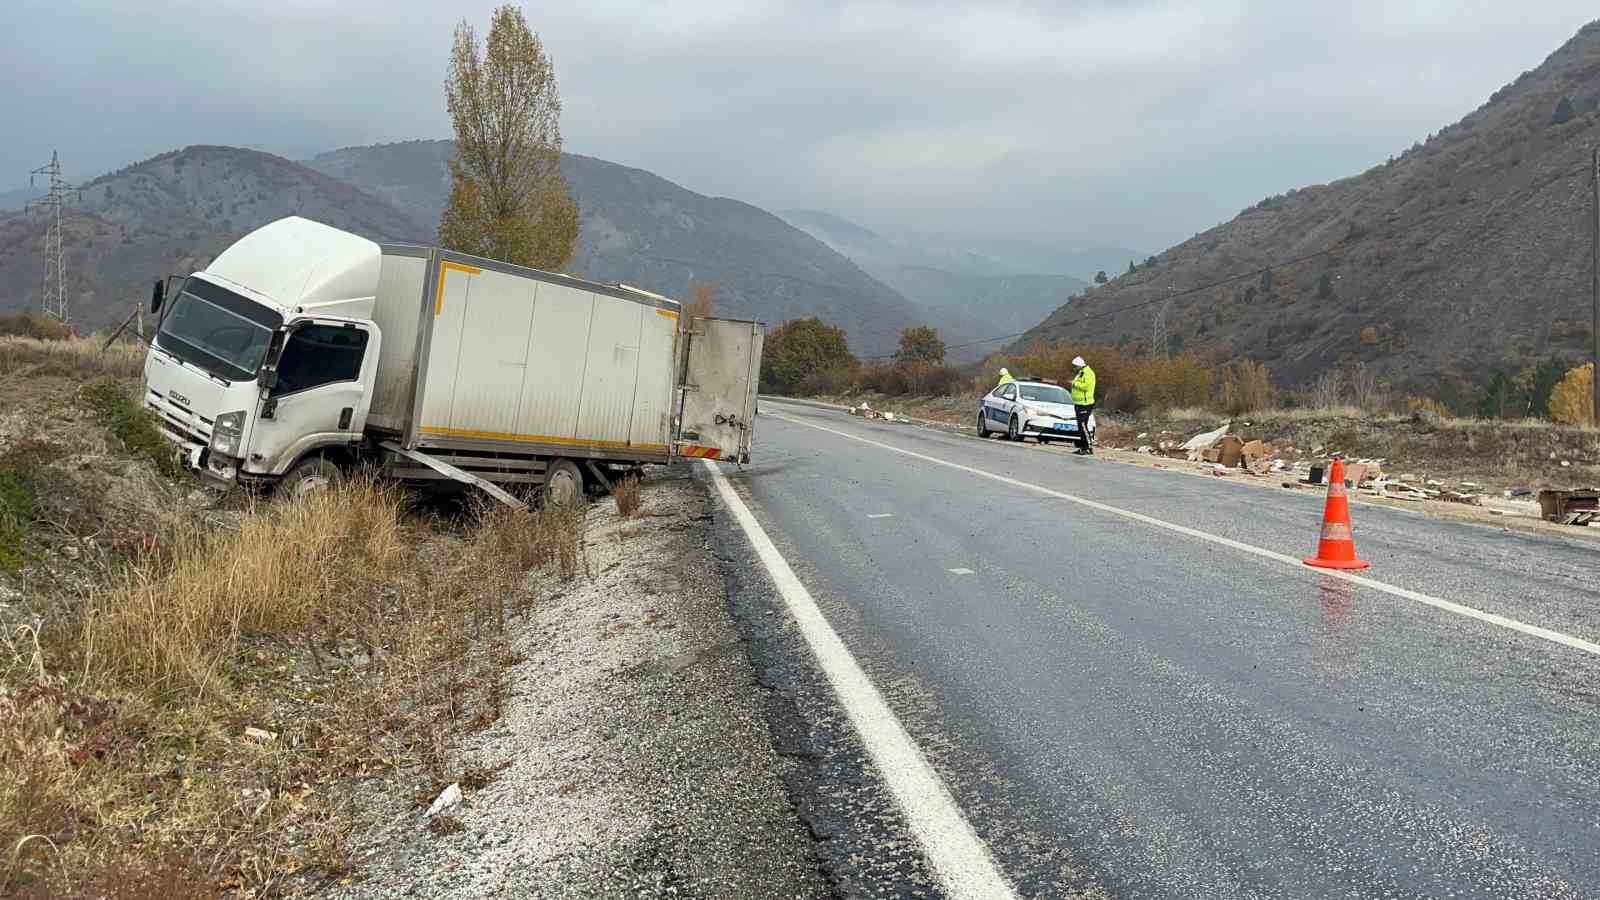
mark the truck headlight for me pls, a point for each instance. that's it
(226, 433)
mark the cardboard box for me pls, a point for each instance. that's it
(1232, 450)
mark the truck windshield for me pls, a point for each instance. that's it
(1045, 393)
(217, 330)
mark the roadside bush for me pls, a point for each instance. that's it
(833, 382)
(1246, 387)
(39, 328)
(1572, 400)
(920, 379)
(627, 493)
(798, 349)
(1113, 372)
(1183, 380)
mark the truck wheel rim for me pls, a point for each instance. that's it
(562, 488)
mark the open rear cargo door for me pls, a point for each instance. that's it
(720, 369)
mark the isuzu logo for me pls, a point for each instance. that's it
(178, 398)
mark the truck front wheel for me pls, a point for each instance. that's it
(315, 473)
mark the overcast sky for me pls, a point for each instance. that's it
(1124, 123)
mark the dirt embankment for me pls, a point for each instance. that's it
(208, 695)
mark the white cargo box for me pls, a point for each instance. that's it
(483, 356)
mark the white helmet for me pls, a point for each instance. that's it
(1004, 371)
(1078, 361)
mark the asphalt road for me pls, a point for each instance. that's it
(1119, 707)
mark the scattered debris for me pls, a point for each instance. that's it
(1205, 439)
(1570, 507)
(259, 735)
(448, 799)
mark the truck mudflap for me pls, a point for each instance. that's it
(449, 471)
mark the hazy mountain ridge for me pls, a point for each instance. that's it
(1469, 251)
(972, 296)
(172, 214)
(639, 228)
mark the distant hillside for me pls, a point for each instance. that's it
(641, 229)
(969, 295)
(1468, 252)
(19, 198)
(172, 214)
(1020, 257)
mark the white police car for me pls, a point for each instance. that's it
(1030, 407)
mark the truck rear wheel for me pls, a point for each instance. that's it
(563, 483)
(315, 473)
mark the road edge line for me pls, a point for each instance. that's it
(957, 855)
(1451, 606)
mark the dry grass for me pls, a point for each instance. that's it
(171, 625)
(359, 638)
(76, 357)
(628, 494)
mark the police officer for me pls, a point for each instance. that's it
(1005, 377)
(1083, 403)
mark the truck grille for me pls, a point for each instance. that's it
(181, 422)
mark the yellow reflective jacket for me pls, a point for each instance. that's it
(1083, 387)
(1005, 379)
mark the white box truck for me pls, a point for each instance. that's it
(303, 350)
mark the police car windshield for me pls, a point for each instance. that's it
(1044, 393)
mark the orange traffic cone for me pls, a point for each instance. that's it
(1337, 548)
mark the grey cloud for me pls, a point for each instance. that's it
(1134, 123)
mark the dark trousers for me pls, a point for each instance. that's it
(1083, 411)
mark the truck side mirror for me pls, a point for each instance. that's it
(157, 295)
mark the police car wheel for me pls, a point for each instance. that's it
(1014, 430)
(983, 425)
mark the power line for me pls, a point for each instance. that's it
(54, 287)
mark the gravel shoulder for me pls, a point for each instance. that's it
(634, 756)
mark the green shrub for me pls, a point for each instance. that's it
(132, 425)
(799, 349)
(19, 492)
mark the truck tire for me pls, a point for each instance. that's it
(563, 483)
(313, 473)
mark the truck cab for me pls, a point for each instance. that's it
(269, 353)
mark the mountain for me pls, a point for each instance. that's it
(1467, 253)
(19, 198)
(1025, 257)
(968, 295)
(172, 214)
(639, 228)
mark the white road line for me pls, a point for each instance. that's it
(959, 857)
(1566, 640)
(960, 571)
(880, 515)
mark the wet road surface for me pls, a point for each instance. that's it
(1117, 707)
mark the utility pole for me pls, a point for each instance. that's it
(54, 301)
(1594, 279)
(1158, 333)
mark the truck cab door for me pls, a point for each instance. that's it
(720, 368)
(320, 396)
